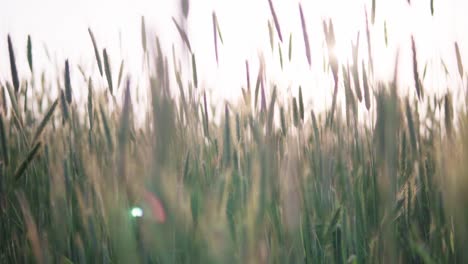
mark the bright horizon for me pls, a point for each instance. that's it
(62, 27)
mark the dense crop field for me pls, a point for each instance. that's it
(271, 182)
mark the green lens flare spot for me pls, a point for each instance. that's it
(136, 212)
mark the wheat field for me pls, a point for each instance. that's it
(269, 181)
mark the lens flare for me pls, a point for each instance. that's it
(136, 212)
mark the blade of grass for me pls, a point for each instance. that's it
(64, 107)
(181, 90)
(316, 129)
(305, 35)
(194, 71)
(280, 55)
(25, 163)
(270, 34)
(238, 128)
(44, 121)
(263, 98)
(330, 119)
(25, 104)
(459, 60)
(373, 12)
(275, 19)
(14, 71)
(290, 47)
(205, 105)
(182, 34)
(448, 114)
(412, 131)
(96, 51)
(226, 137)
(16, 111)
(369, 45)
(415, 69)
(215, 37)
(4, 100)
(257, 86)
(365, 83)
(355, 69)
(385, 33)
(333, 222)
(124, 131)
(143, 34)
(108, 71)
(185, 8)
(218, 28)
(283, 121)
(295, 112)
(120, 73)
(83, 72)
(444, 66)
(425, 71)
(107, 130)
(29, 53)
(432, 7)
(68, 89)
(301, 104)
(90, 104)
(3, 141)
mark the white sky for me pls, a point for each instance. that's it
(62, 26)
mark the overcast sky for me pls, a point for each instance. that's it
(62, 25)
